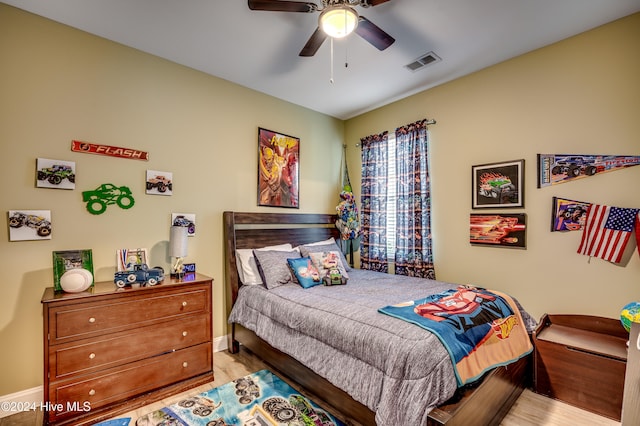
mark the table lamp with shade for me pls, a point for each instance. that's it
(177, 250)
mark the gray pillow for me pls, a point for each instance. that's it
(305, 250)
(273, 266)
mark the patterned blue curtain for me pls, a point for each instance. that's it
(373, 200)
(414, 255)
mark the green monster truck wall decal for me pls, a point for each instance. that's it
(105, 195)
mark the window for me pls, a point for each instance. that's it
(392, 196)
(395, 174)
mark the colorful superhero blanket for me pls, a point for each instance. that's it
(480, 329)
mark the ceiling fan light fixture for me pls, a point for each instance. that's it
(338, 21)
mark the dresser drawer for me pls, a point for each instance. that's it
(101, 353)
(71, 322)
(97, 390)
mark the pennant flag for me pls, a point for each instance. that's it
(607, 231)
(554, 169)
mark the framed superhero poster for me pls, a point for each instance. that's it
(498, 185)
(278, 169)
(498, 230)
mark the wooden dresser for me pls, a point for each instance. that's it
(108, 350)
(581, 360)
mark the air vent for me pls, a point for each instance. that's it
(424, 60)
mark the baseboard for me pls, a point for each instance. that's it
(28, 399)
(220, 344)
(25, 400)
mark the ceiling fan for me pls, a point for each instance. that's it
(337, 19)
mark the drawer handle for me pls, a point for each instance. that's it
(184, 303)
(92, 392)
(184, 334)
(185, 364)
(92, 320)
(92, 355)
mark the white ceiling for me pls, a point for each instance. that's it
(260, 49)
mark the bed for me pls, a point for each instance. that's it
(382, 384)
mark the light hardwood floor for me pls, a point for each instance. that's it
(530, 409)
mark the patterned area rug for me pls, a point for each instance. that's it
(259, 399)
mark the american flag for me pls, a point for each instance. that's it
(607, 231)
(638, 232)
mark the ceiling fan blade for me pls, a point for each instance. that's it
(375, 2)
(373, 34)
(282, 6)
(314, 43)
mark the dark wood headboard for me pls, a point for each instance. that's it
(254, 230)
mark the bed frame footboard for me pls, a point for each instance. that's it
(485, 403)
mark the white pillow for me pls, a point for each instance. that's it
(322, 243)
(247, 266)
(322, 246)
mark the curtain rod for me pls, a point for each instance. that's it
(429, 121)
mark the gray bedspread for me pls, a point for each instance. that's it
(395, 368)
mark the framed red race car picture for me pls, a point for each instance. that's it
(498, 230)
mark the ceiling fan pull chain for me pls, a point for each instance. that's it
(331, 79)
(346, 56)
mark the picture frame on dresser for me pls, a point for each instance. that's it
(66, 260)
(127, 258)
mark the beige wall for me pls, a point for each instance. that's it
(582, 96)
(59, 84)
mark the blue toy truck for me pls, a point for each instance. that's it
(140, 274)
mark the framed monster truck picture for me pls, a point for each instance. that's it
(27, 225)
(188, 220)
(57, 174)
(159, 183)
(497, 185)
